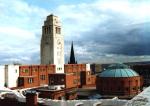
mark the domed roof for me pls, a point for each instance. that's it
(118, 70)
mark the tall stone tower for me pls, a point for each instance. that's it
(52, 43)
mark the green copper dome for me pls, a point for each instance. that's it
(118, 70)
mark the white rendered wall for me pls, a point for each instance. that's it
(13, 74)
(88, 67)
(2, 76)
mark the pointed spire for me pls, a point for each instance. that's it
(72, 56)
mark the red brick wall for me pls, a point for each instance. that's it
(76, 69)
(58, 94)
(39, 73)
(87, 79)
(93, 80)
(69, 68)
(51, 69)
(56, 79)
(68, 80)
(72, 78)
(43, 76)
(118, 86)
(71, 81)
(28, 84)
(24, 71)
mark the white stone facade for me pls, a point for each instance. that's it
(13, 74)
(9, 75)
(52, 43)
(88, 67)
(2, 76)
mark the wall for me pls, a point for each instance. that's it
(69, 68)
(2, 76)
(80, 70)
(63, 79)
(37, 73)
(43, 76)
(118, 86)
(71, 81)
(12, 72)
(96, 68)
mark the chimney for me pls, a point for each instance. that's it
(31, 98)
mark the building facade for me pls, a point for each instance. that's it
(9, 75)
(2, 76)
(120, 80)
(52, 43)
(34, 75)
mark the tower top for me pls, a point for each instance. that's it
(52, 20)
(72, 56)
(51, 16)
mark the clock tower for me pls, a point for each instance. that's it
(52, 43)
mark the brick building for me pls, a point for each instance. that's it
(59, 84)
(34, 75)
(119, 80)
(64, 85)
(39, 75)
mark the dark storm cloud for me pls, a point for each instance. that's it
(132, 40)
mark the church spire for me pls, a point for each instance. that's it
(72, 56)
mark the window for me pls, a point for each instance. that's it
(74, 73)
(127, 89)
(42, 77)
(49, 29)
(58, 30)
(62, 79)
(78, 73)
(119, 89)
(75, 81)
(16, 71)
(26, 70)
(45, 30)
(78, 80)
(88, 73)
(30, 80)
(51, 81)
(33, 70)
(23, 71)
(89, 79)
(20, 82)
(134, 88)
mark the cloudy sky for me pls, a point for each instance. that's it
(102, 30)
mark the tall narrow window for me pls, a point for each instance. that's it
(58, 30)
(30, 80)
(49, 29)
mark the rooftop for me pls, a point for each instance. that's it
(118, 70)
